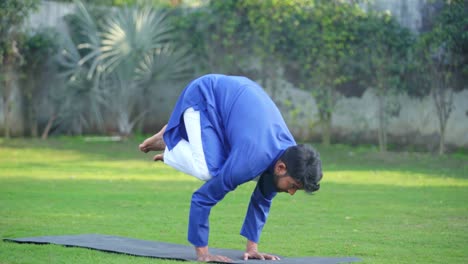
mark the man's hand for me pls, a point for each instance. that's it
(205, 256)
(261, 256)
(251, 252)
(216, 258)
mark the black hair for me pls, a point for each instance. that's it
(304, 165)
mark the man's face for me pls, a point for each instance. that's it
(284, 182)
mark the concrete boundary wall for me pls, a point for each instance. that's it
(50, 14)
(413, 121)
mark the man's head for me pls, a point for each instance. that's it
(299, 168)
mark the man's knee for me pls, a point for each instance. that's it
(202, 173)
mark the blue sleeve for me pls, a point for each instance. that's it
(257, 212)
(209, 195)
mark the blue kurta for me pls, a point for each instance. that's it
(243, 135)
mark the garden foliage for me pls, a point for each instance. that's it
(115, 57)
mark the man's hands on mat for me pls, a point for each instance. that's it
(205, 256)
(251, 252)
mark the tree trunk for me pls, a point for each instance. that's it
(45, 133)
(33, 122)
(8, 74)
(327, 117)
(29, 105)
(125, 125)
(326, 132)
(382, 130)
(443, 100)
(6, 118)
(442, 141)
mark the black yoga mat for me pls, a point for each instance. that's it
(154, 249)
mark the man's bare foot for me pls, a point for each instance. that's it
(158, 157)
(154, 143)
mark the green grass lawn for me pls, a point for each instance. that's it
(393, 208)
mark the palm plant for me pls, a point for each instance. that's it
(123, 57)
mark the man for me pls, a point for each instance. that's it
(225, 130)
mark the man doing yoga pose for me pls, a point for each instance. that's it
(226, 131)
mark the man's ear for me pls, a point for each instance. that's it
(280, 167)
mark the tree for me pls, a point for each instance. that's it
(441, 59)
(37, 49)
(121, 58)
(266, 20)
(383, 55)
(321, 37)
(219, 36)
(12, 15)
